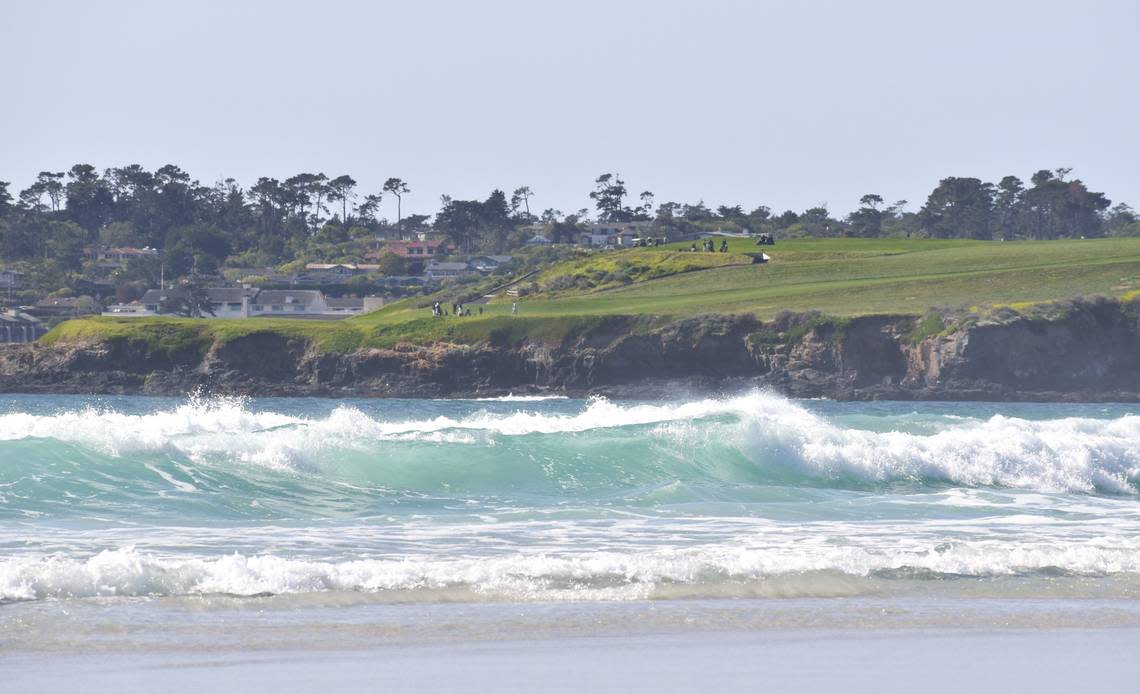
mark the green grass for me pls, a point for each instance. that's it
(838, 277)
(609, 269)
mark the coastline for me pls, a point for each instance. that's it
(1089, 352)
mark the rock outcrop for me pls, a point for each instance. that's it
(1091, 351)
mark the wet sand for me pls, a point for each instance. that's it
(1049, 660)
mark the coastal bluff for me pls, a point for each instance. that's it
(1077, 351)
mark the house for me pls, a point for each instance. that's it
(436, 271)
(16, 326)
(490, 263)
(250, 302)
(334, 273)
(401, 281)
(347, 305)
(118, 257)
(10, 279)
(416, 250)
(288, 302)
(618, 233)
(225, 302)
(592, 240)
(65, 306)
(538, 240)
(135, 309)
(353, 305)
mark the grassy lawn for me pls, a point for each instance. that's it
(842, 277)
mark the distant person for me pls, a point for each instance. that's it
(514, 308)
(693, 248)
(480, 309)
(724, 246)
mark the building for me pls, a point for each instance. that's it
(353, 305)
(436, 271)
(538, 240)
(20, 327)
(288, 302)
(490, 263)
(225, 302)
(592, 240)
(135, 309)
(115, 258)
(415, 250)
(65, 306)
(334, 273)
(615, 234)
(249, 302)
(396, 281)
(10, 279)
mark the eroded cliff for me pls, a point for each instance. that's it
(1087, 351)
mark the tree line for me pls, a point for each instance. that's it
(315, 217)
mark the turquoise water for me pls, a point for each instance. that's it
(521, 500)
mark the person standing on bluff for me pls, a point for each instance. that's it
(514, 308)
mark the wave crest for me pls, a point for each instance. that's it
(601, 575)
(752, 439)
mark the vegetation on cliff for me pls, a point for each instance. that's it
(837, 277)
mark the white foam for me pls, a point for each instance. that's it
(1072, 454)
(511, 397)
(598, 575)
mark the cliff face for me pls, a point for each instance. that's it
(1092, 352)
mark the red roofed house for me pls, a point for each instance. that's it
(416, 250)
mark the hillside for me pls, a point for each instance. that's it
(840, 277)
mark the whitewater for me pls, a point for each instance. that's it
(561, 500)
(295, 541)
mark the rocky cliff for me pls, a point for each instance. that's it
(1082, 351)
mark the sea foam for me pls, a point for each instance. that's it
(759, 435)
(790, 569)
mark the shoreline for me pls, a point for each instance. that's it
(1087, 352)
(1080, 660)
(663, 390)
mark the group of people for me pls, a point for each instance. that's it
(438, 309)
(709, 246)
(457, 309)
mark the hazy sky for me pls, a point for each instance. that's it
(788, 104)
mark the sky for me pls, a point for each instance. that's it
(781, 103)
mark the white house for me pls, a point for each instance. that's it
(225, 302)
(288, 302)
(618, 233)
(439, 271)
(242, 302)
(19, 327)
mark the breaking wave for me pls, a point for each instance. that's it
(787, 571)
(603, 447)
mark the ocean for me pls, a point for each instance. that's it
(407, 542)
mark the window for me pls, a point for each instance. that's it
(298, 308)
(277, 307)
(233, 307)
